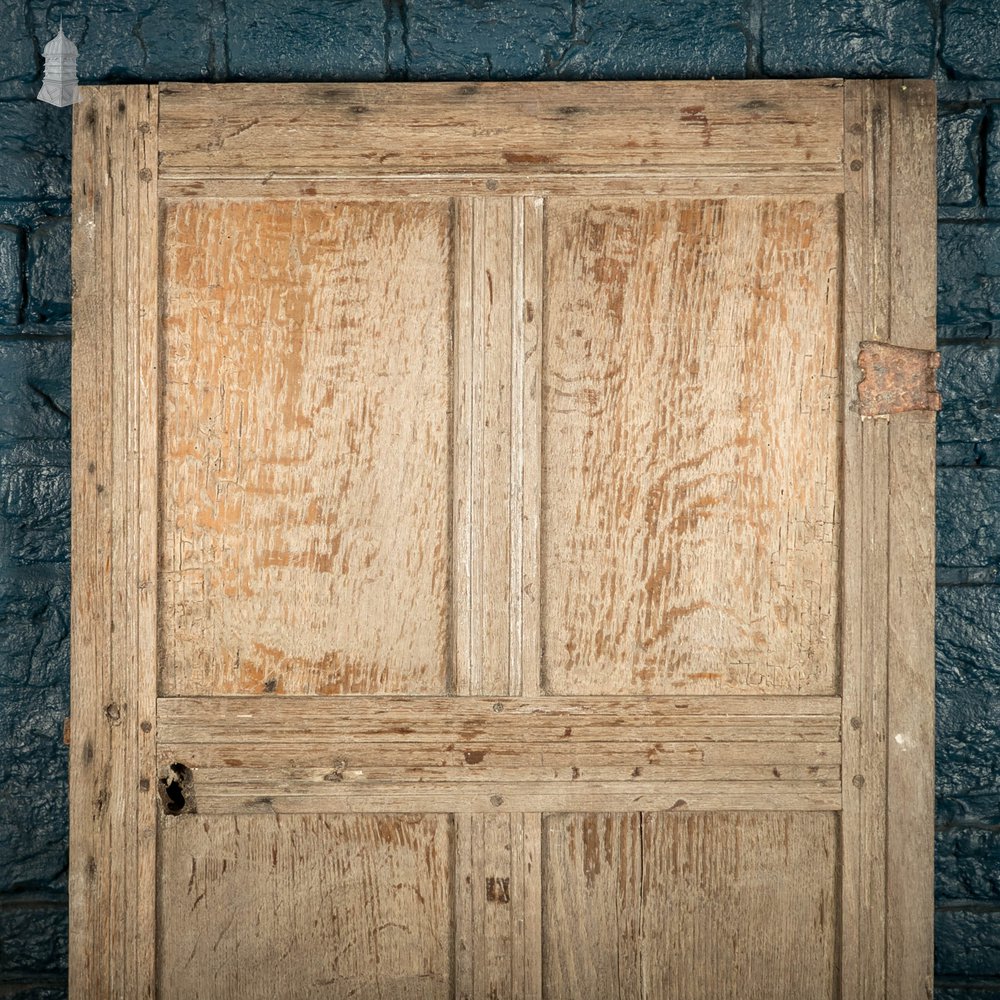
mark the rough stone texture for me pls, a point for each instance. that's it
(34, 650)
(967, 993)
(120, 42)
(968, 692)
(18, 59)
(993, 157)
(11, 274)
(34, 390)
(968, 942)
(858, 38)
(967, 864)
(487, 39)
(635, 39)
(969, 424)
(970, 46)
(33, 939)
(959, 157)
(49, 279)
(312, 40)
(968, 517)
(968, 273)
(34, 150)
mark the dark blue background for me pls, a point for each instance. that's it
(957, 42)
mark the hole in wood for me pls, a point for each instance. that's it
(175, 790)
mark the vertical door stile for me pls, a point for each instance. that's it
(115, 384)
(498, 877)
(910, 709)
(866, 527)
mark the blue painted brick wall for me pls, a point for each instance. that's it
(956, 41)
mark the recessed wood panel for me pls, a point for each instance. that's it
(691, 421)
(305, 447)
(305, 907)
(666, 906)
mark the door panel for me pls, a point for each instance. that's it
(306, 395)
(306, 906)
(703, 906)
(485, 584)
(691, 416)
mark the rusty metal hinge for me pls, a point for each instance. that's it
(897, 379)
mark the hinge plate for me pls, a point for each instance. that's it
(897, 379)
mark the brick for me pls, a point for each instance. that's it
(967, 864)
(968, 273)
(968, 521)
(50, 290)
(486, 40)
(34, 389)
(11, 273)
(970, 42)
(968, 690)
(315, 40)
(967, 943)
(34, 150)
(34, 503)
(983, 990)
(36, 993)
(18, 60)
(34, 697)
(635, 39)
(856, 38)
(33, 939)
(958, 157)
(993, 158)
(120, 42)
(969, 423)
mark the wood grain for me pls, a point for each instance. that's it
(691, 907)
(112, 792)
(910, 694)
(305, 907)
(382, 719)
(306, 454)
(258, 130)
(691, 429)
(865, 547)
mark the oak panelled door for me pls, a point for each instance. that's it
(486, 582)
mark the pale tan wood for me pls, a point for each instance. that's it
(689, 526)
(910, 696)
(509, 268)
(529, 455)
(691, 907)
(865, 548)
(307, 379)
(112, 791)
(258, 907)
(740, 907)
(254, 130)
(503, 797)
(593, 914)
(487, 720)
(463, 269)
(492, 307)
(664, 180)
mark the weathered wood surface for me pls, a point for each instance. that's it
(514, 473)
(691, 421)
(259, 130)
(113, 802)
(910, 694)
(306, 456)
(691, 907)
(310, 907)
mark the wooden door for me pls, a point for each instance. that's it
(487, 582)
